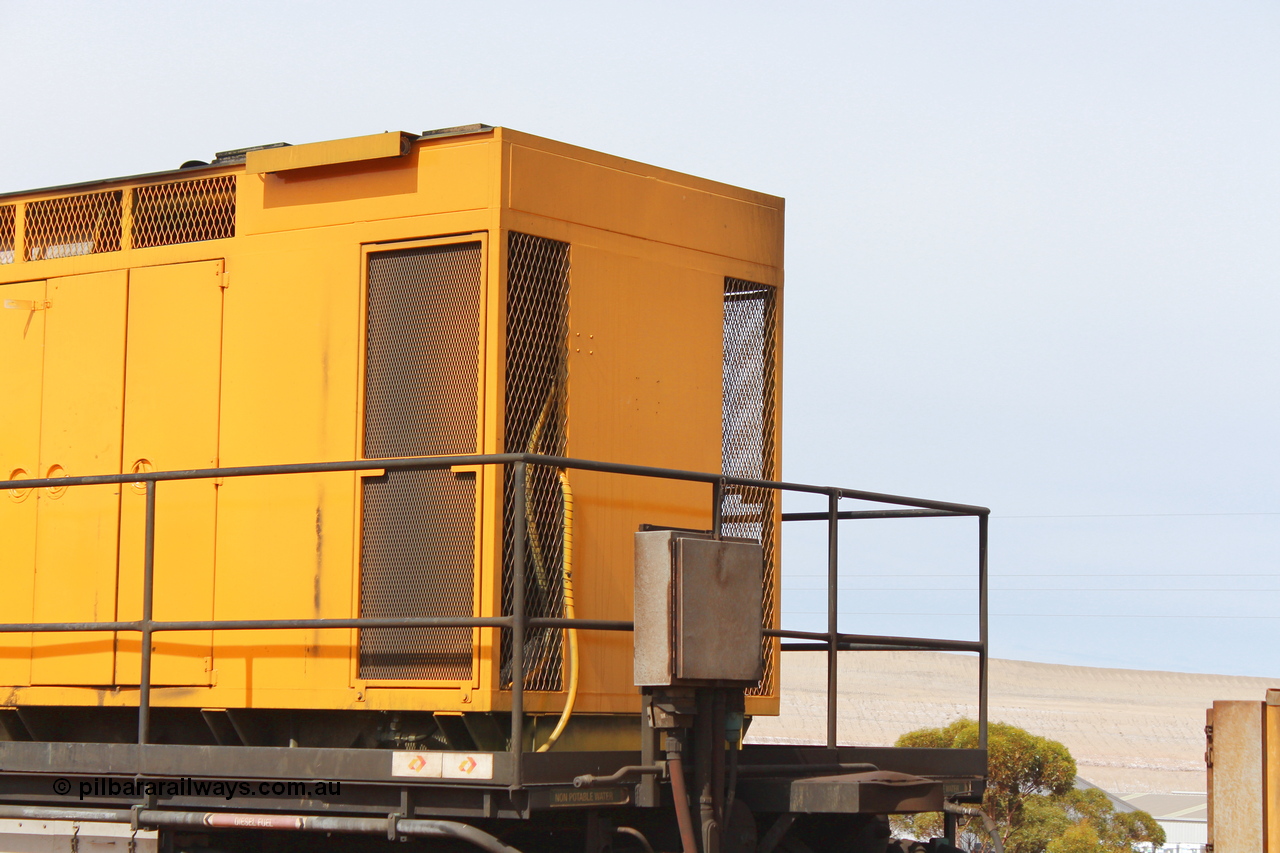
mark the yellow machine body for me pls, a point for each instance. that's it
(221, 316)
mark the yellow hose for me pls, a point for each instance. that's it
(572, 633)
(531, 524)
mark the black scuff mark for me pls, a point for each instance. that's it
(313, 648)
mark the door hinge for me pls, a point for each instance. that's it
(27, 304)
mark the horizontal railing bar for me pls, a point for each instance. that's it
(580, 624)
(417, 463)
(878, 640)
(282, 624)
(424, 463)
(779, 485)
(819, 639)
(67, 627)
(264, 624)
(853, 647)
(874, 513)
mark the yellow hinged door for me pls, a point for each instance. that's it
(171, 392)
(22, 360)
(80, 427)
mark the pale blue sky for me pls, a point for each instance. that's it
(1032, 248)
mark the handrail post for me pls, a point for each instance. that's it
(517, 625)
(148, 589)
(982, 630)
(717, 508)
(833, 634)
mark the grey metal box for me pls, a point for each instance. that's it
(699, 604)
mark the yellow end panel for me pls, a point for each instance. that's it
(644, 363)
(80, 429)
(625, 202)
(22, 317)
(644, 388)
(172, 372)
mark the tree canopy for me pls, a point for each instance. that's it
(1032, 798)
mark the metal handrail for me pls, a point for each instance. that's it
(518, 621)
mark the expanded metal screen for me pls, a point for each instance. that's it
(8, 216)
(536, 379)
(421, 399)
(184, 212)
(749, 421)
(73, 225)
(157, 215)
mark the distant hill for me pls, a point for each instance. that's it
(1129, 730)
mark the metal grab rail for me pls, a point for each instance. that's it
(518, 621)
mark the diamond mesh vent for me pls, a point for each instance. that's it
(8, 215)
(73, 225)
(536, 378)
(184, 212)
(417, 557)
(749, 425)
(421, 383)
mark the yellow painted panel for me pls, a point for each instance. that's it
(22, 363)
(625, 244)
(649, 251)
(76, 529)
(285, 544)
(610, 161)
(172, 370)
(628, 203)
(644, 361)
(438, 178)
(284, 552)
(644, 388)
(354, 149)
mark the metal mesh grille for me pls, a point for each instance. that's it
(421, 384)
(184, 212)
(749, 426)
(8, 214)
(536, 380)
(73, 225)
(417, 557)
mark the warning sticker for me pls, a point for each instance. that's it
(468, 765)
(423, 764)
(442, 765)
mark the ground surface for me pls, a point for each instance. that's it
(1129, 730)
